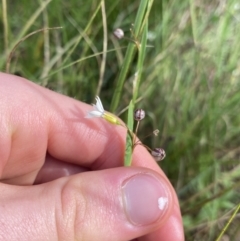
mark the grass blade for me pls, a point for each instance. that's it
(228, 223)
(141, 56)
(129, 56)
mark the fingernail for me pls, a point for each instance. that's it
(146, 198)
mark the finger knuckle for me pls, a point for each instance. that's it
(73, 211)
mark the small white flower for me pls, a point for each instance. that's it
(100, 112)
(156, 132)
(162, 202)
(98, 109)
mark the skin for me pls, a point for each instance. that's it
(60, 172)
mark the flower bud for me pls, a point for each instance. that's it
(158, 154)
(156, 132)
(139, 114)
(118, 33)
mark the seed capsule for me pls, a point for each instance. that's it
(158, 154)
(139, 114)
(118, 33)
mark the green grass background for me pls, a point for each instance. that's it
(189, 85)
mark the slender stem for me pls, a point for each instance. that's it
(69, 53)
(5, 25)
(128, 57)
(46, 48)
(104, 56)
(80, 60)
(228, 223)
(30, 22)
(136, 130)
(135, 135)
(20, 41)
(141, 56)
(141, 144)
(150, 134)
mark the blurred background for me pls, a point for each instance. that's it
(189, 89)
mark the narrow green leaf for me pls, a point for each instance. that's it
(129, 138)
(128, 56)
(141, 56)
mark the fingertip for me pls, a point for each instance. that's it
(136, 201)
(147, 198)
(171, 230)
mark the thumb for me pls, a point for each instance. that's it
(114, 204)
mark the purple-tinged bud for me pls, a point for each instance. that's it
(158, 154)
(139, 114)
(118, 33)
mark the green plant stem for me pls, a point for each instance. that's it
(141, 56)
(130, 137)
(19, 38)
(81, 35)
(104, 56)
(128, 57)
(5, 25)
(228, 223)
(30, 22)
(80, 60)
(20, 41)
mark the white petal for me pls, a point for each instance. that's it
(96, 108)
(93, 113)
(99, 104)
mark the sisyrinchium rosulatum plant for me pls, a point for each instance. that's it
(137, 45)
(139, 114)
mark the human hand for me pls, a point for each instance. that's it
(44, 136)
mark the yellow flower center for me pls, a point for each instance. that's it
(111, 118)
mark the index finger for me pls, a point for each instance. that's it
(36, 120)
